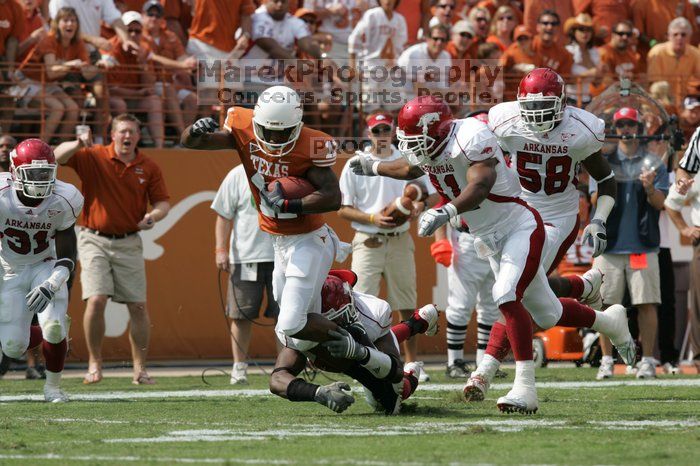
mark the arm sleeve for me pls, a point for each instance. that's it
(324, 155)
(110, 13)
(300, 29)
(157, 191)
(674, 200)
(357, 36)
(691, 159)
(226, 198)
(347, 186)
(661, 180)
(80, 160)
(75, 203)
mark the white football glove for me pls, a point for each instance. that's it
(203, 126)
(595, 235)
(432, 219)
(362, 164)
(40, 297)
(335, 396)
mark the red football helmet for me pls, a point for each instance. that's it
(424, 125)
(337, 303)
(33, 168)
(542, 99)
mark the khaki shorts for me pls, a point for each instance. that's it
(245, 297)
(392, 257)
(112, 267)
(644, 284)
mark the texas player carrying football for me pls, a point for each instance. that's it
(467, 167)
(547, 142)
(374, 362)
(37, 255)
(273, 143)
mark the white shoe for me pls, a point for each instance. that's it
(429, 313)
(619, 333)
(54, 394)
(418, 370)
(647, 369)
(594, 279)
(239, 373)
(605, 371)
(520, 399)
(476, 388)
(671, 368)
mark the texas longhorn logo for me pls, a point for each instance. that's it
(426, 120)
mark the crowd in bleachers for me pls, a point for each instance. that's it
(73, 62)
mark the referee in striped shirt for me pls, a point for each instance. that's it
(690, 163)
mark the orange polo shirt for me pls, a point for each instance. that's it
(13, 19)
(553, 56)
(50, 44)
(116, 194)
(605, 13)
(652, 17)
(128, 71)
(620, 63)
(663, 65)
(215, 21)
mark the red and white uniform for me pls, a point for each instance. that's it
(547, 165)
(507, 232)
(304, 245)
(27, 256)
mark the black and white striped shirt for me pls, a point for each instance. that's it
(691, 159)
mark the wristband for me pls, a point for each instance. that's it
(375, 167)
(450, 209)
(218, 250)
(300, 390)
(292, 206)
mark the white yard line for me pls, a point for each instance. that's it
(142, 395)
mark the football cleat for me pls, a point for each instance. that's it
(429, 313)
(500, 374)
(458, 369)
(417, 365)
(671, 368)
(619, 333)
(646, 369)
(594, 279)
(54, 394)
(520, 399)
(605, 371)
(239, 374)
(476, 388)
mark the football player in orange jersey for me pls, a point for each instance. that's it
(272, 143)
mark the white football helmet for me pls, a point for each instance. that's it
(277, 120)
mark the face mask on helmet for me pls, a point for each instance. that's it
(337, 303)
(277, 120)
(540, 112)
(35, 180)
(419, 149)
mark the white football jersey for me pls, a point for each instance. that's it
(377, 37)
(374, 313)
(27, 233)
(285, 32)
(340, 27)
(472, 141)
(547, 163)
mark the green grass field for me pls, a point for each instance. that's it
(182, 420)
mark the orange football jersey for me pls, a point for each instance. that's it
(313, 148)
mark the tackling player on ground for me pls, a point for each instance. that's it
(273, 143)
(37, 255)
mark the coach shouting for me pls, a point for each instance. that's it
(118, 183)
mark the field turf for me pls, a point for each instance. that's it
(183, 420)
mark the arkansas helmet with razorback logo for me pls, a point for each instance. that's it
(337, 303)
(542, 99)
(33, 168)
(423, 129)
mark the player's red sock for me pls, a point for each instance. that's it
(576, 283)
(575, 314)
(498, 345)
(401, 331)
(35, 336)
(410, 382)
(54, 355)
(518, 329)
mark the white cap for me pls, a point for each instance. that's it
(131, 16)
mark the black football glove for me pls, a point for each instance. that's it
(204, 126)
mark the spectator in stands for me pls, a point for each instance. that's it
(674, 203)
(337, 18)
(606, 14)
(660, 91)
(502, 26)
(173, 12)
(246, 254)
(7, 145)
(690, 116)
(13, 26)
(35, 28)
(481, 21)
(675, 61)
(444, 11)
(431, 53)
(494, 5)
(618, 57)
(533, 10)
(630, 260)
(381, 248)
(550, 53)
(173, 67)
(131, 79)
(64, 56)
(212, 34)
(519, 58)
(118, 182)
(90, 14)
(587, 69)
(653, 18)
(461, 39)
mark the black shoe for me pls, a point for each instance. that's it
(458, 370)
